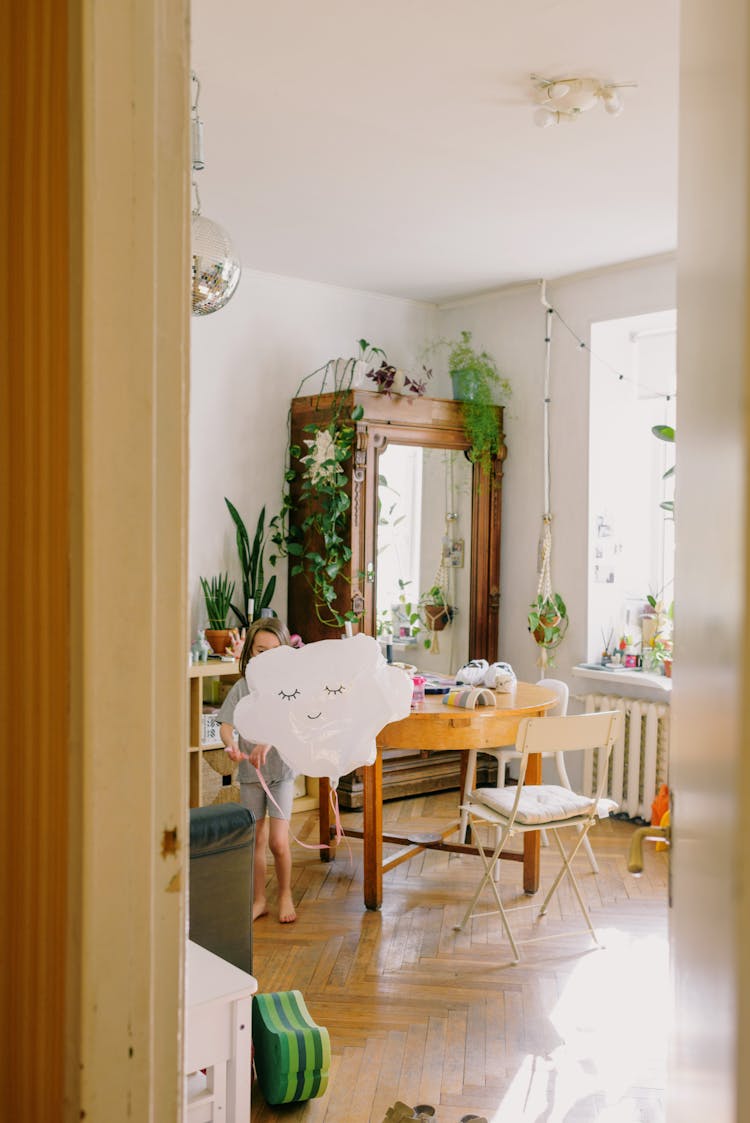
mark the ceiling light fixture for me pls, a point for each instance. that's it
(216, 266)
(565, 99)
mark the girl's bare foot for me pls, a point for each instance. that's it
(260, 908)
(287, 913)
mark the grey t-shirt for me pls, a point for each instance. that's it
(274, 769)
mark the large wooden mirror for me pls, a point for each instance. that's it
(423, 555)
(416, 502)
(409, 467)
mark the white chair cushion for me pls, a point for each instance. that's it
(541, 803)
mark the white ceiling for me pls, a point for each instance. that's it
(390, 146)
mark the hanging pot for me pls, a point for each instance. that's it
(437, 616)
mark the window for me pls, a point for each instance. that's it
(631, 538)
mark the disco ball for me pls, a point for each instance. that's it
(216, 267)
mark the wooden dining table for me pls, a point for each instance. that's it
(435, 727)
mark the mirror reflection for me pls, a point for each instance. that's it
(423, 563)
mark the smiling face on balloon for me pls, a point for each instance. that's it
(323, 705)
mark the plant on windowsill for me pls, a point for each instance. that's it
(255, 594)
(218, 593)
(656, 635)
(548, 623)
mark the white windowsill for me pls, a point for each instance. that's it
(620, 675)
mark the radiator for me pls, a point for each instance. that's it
(639, 763)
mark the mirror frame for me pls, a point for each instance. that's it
(400, 419)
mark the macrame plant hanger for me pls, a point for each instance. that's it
(444, 575)
(544, 584)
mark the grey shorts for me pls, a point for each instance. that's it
(255, 799)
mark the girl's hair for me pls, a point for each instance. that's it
(265, 624)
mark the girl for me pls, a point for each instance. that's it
(262, 635)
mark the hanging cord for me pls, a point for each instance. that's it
(196, 140)
(547, 363)
(444, 578)
(544, 584)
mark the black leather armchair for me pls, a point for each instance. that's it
(220, 892)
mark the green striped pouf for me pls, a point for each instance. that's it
(292, 1053)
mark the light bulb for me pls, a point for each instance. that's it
(545, 118)
(612, 102)
(558, 90)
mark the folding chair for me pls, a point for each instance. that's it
(508, 753)
(550, 807)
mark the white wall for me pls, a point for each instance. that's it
(247, 362)
(511, 326)
(249, 358)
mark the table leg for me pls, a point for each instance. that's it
(372, 846)
(324, 819)
(532, 839)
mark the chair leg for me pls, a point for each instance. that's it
(562, 772)
(471, 772)
(488, 879)
(566, 868)
(500, 757)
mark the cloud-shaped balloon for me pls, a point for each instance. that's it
(323, 705)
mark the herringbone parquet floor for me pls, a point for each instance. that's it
(421, 1014)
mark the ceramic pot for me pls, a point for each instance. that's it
(220, 639)
(437, 616)
(464, 385)
(545, 622)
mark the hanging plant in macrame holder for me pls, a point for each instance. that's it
(548, 616)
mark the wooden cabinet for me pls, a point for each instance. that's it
(430, 424)
(212, 776)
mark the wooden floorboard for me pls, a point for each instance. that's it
(419, 1013)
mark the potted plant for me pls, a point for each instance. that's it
(435, 609)
(350, 373)
(479, 386)
(218, 593)
(656, 634)
(548, 623)
(255, 594)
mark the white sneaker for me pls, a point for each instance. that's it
(472, 674)
(500, 677)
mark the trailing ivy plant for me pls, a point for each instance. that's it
(318, 545)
